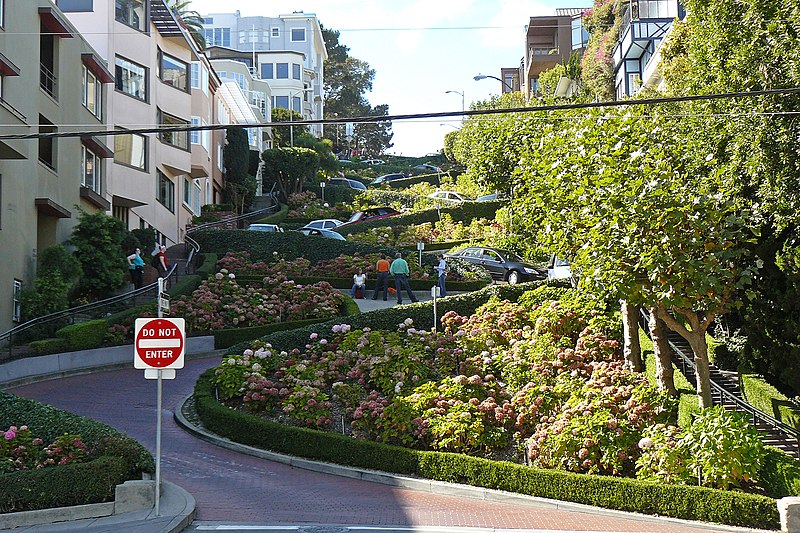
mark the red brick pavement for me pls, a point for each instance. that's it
(234, 487)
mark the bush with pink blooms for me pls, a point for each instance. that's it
(307, 206)
(20, 450)
(220, 302)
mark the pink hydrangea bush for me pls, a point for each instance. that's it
(20, 450)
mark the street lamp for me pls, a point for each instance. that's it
(462, 100)
(454, 127)
(480, 77)
(291, 111)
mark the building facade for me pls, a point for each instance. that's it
(157, 180)
(645, 23)
(287, 51)
(51, 81)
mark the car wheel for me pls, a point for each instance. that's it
(513, 277)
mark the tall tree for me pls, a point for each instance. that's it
(289, 168)
(239, 185)
(191, 20)
(97, 239)
(347, 80)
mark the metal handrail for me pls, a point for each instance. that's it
(755, 414)
(236, 218)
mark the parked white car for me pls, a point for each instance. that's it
(374, 162)
(449, 196)
(324, 223)
(269, 228)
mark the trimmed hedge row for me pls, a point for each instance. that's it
(226, 338)
(768, 399)
(289, 245)
(334, 195)
(121, 459)
(275, 218)
(464, 212)
(692, 503)
(389, 197)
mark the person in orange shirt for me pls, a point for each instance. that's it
(383, 278)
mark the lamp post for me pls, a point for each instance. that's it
(480, 77)
(291, 112)
(462, 100)
(454, 127)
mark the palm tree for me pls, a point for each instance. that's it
(190, 19)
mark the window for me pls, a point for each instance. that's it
(47, 145)
(92, 93)
(295, 71)
(195, 75)
(282, 71)
(282, 102)
(276, 32)
(16, 312)
(242, 37)
(131, 78)
(220, 159)
(90, 172)
(217, 36)
(131, 150)
(173, 71)
(195, 134)
(579, 34)
(165, 191)
(69, 6)
(298, 35)
(266, 71)
(208, 20)
(178, 139)
(131, 13)
(296, 104)
(187, 191)
(2, 13)
(508, 82)
(658, 9)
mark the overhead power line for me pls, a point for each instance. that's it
(412, 116)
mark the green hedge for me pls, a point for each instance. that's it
(390, 197)
(275, 218)
(464, 212)
(225, 338)
(120, 459)
(62, 486)
(45, 346)
(692, 503)
(289, 245)
(84, 335)
(404, 183)
(334, 195)
(768, 399)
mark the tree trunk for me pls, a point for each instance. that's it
(663, 354)
(695, 335)
(632, 350)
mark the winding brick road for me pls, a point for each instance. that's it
(230, 487)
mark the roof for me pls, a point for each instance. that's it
(570, 11)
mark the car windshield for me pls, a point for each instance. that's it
(355, 217)
(511, 256)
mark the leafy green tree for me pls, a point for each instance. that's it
(97, 239)
(347, 81)
(281, 134)
(290, 168)
(55, 278)
(240, 187)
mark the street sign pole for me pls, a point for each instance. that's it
(434, 294)
(158, 412)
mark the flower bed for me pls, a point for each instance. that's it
(240, 264)
(220, 302)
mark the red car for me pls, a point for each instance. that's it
(373, 213)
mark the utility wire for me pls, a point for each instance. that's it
(414, 116)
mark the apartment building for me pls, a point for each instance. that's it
(160, 80)
(636, 55)
(248, 101)
(51, 81)
(287, 51)
(550, 41)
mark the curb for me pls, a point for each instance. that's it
(433, 486)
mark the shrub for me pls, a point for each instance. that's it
(84, 335)
(46, 346)
(768, 399)
(275, 218)
(464, 212)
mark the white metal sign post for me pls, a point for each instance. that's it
(159, 348)
(435, 292)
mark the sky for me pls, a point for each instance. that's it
(419, 49)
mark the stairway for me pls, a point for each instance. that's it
(728, 394)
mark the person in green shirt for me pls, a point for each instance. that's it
(399, 269)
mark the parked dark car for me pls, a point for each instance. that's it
(501, 264)
(373, 213)
(386, 178)
(345, 182)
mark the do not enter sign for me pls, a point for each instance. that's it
(159, 343)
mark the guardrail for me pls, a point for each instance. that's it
(757, 416)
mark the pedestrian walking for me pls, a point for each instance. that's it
(136, 268)
(441, 268)
(161, 261)
(382, 282)
(399, 270)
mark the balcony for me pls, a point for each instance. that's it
(48, 81)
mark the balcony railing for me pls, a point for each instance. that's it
(48, 81)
